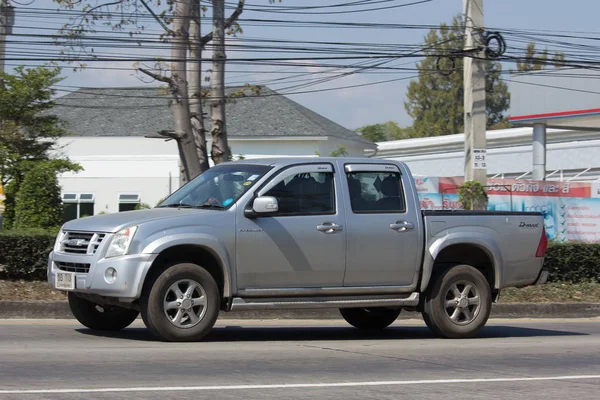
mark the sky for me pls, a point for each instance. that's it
(350, 107)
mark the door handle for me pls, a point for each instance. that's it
(402, 226)
(329, 227)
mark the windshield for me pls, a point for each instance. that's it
(217, 188)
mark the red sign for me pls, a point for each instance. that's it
(523, 187)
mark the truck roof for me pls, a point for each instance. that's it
(282, 161)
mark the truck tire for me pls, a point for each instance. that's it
(182, 304)
(100, 318)
(374, 318)
(458, 303)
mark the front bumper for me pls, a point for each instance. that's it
(131, 271)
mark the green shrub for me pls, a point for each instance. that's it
(10, 191)
(472, 196)
(38, 203)
(573, 262)
(24, 253)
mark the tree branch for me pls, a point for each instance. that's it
(158, 77)
(90, 10)
(228, 22)
(157, 18)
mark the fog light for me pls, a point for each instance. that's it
(110, 275)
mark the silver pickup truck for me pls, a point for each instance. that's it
(295, 233)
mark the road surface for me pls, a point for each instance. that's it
(513, 359)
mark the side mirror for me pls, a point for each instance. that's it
(265, 205)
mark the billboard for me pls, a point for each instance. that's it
(571, 209)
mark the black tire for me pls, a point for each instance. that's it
(100, 318)
(375, 318)
(446, 313)
(163, 321)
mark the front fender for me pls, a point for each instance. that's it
(204, 240)
(485, 242)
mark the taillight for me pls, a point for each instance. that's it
(541, 250)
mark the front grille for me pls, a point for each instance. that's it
(73, 267)
(81, 242)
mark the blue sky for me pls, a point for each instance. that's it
(356, 106)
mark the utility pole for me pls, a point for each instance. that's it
(7, 20)
(474, 87)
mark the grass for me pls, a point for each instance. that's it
(548, 293)
(553, 293)
(24, 290)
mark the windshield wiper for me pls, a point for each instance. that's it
(177, 205)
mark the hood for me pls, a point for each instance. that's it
(115, 222)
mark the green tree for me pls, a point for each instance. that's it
(435, 100)
(385, 131)
(38, 202)
(535, 61)
(27, 130)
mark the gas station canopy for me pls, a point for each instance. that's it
(576, 120)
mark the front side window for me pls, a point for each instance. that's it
(376, 192)
(305, 194)
(218, 188)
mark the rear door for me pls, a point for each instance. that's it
(383, 227)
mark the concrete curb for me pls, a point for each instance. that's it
(60, 310)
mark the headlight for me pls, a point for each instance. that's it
(119, 245)
(59, 239)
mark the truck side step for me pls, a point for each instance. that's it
(263, 304)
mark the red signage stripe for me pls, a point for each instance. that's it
(556, 114)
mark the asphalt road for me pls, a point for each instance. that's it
(513, 359)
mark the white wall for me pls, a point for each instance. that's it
(120, 165)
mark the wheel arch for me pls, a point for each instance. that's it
(204, 251)
(480, 253)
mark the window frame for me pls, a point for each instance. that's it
(295, 170)
(78, 200)
(377, 169)
(129, 202)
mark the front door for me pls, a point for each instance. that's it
(383, 228)
(303, 245)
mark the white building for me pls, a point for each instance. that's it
(123, 167)
(571, 154)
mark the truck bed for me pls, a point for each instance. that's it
(511, 237)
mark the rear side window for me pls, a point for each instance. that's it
(305, 194)
(376, 192)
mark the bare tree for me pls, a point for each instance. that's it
(220, 148)
(185, 72)
(195, 87)
(178, 86)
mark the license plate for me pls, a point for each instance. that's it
(65, 281)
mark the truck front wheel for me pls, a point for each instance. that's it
(182, 304)
(100, 318)
(374, 318)
(458, 303)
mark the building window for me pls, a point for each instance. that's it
(77, 205)
(128, 202)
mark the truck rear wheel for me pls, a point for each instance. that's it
(374, 318)
(182, 304)
(459, 303)
(100, 318)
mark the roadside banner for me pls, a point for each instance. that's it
(571, 209)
